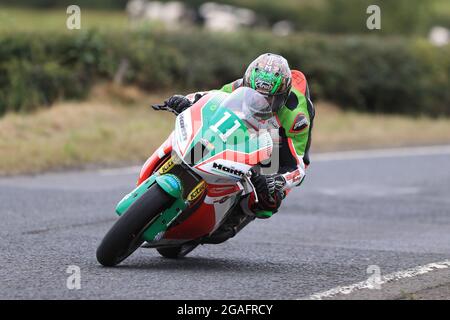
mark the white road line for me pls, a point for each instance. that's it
(332, 156)
(381, 153)
(119, 171)
(368, 284)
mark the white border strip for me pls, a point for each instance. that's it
(368, 284)
(119, 171)
(381, 153)
(333, 156)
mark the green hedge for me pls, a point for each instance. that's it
(364, 73)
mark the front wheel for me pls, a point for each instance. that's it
(125, 236)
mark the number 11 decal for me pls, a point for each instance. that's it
(225, 135)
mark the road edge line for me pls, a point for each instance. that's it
(368, 284)
(381, 153)
(332, 156)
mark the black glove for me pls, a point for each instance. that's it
(270, 191)
(178, 103)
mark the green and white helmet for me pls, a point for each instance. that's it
(270, 75)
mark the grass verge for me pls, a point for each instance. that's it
(116, 126)
(74, 134)
(20, 19)
(347, 130)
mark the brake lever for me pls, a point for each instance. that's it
(247, 178)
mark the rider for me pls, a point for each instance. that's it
(293, 114)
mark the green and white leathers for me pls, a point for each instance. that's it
(288, 116)
(294, 117)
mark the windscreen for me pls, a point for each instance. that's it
(248, 103)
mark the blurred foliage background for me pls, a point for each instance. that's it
(330, 16)
(392, 70)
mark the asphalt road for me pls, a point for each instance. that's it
(388, 211)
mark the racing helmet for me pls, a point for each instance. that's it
(270, 75)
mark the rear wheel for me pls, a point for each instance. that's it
(176, 252)
(125, 236)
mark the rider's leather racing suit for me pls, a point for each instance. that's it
(294, 123)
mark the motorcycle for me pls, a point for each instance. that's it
(190, 185)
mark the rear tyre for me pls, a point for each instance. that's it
(125, 236)
(176, 252)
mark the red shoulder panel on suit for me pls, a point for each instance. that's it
(299, 81)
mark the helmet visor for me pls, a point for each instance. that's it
(249, 102)
(257, 106)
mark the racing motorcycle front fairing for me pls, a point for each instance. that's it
(202, 165)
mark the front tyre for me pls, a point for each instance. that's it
(125, 236)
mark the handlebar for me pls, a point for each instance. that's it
(158, 107)
(164, 106)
